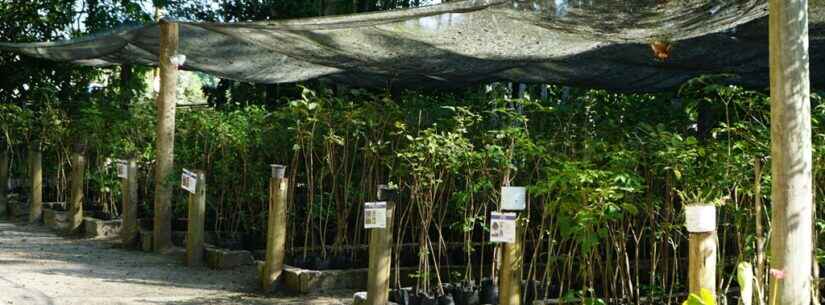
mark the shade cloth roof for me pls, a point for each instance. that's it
(602, 44)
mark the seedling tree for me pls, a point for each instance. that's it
(432, 156)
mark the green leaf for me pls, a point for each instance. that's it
(705, 297)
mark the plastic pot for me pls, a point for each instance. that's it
(428, 300)
(415, 298)
(341, 262)
(466, 296)
(278, 171)
(400, 297)
(489, 292)
(324, 264)
(446, 300)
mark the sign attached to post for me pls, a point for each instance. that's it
(375, 215)
(189, 181)
(503, 227)
(122, 169)
(700, 218)
(513, 198)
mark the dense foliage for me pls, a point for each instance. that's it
(608, 174)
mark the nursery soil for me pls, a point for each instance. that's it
(38, 267)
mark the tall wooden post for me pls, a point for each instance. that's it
(276, 228)
(791, 153)
(129, 187)
(196, 223)
(702, 262)
(511, 253)
(36, 172)
(76, 192)
(4, 182)
(701, 225)
(510, 275)
(162, 235)
(378, 278)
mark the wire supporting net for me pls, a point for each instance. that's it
(640, 45)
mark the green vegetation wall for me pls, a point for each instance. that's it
(608, 174)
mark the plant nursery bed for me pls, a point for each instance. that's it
(462, 294)
(353, 257)
(56, 220)
(146, 236)
(406, 296)
(146, 240)
(306, 281)
(179, 238)
(99, 228)
(222, 259)
(18, 206)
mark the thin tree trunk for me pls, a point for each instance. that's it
(760, 233)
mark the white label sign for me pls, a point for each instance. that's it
(189, 181)
(700, 218)
(375, 215)
(122, 169)
(513, 198)
(502, 227)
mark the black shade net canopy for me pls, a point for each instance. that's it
(622, 45)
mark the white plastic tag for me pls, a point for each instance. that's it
(375, 215)
(513, 198)
(502, 227)
(700, 218)
(122, 169)
(189, 181)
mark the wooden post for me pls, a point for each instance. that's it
(4, 183)
(510, 275)
(701, 225)
(36, 172)
(195, 224)
(276, 228)
(162, 235)
(76, 192)
(702, 262)
(129, 187)
(378, 277)
(791, 153)
(511, 253)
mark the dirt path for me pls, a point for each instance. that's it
(39, 268)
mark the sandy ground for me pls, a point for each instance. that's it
(39, 267)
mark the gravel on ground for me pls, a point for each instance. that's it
(38, 267)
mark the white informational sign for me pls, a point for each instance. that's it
(375, 215)
(513, 198)
(189, 181)
(122, 169)
(700, 218)
(503, 227)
